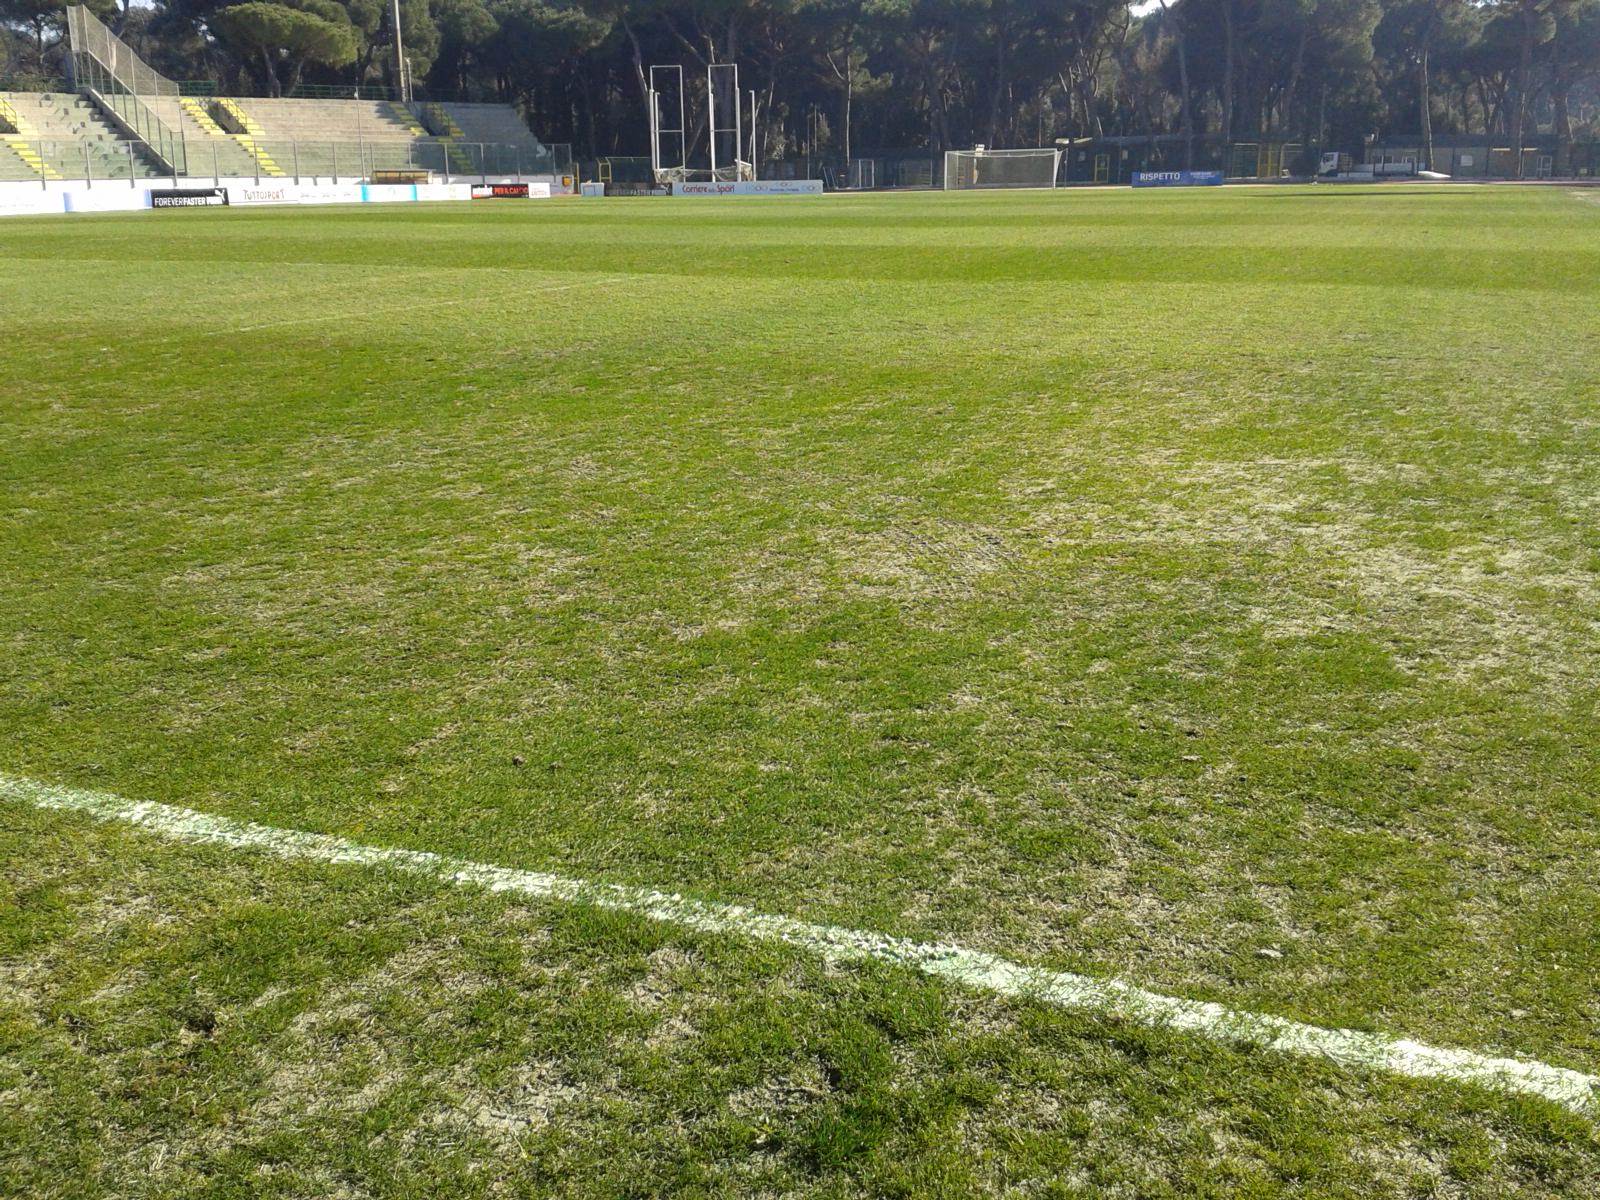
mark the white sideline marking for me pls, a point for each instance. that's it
(1104, 997)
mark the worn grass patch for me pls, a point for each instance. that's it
(1196, 588)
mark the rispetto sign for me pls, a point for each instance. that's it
(1177, 179)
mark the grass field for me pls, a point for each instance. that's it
(1197, 589)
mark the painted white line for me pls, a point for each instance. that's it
(1103, 997)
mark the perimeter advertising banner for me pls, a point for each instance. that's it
(511, 191)
(297, 193)
(264, 193)
(25, 199)
(187, 197)
(1177, 179)
(763, 187)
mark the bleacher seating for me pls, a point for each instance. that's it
(66, 136)
(330, 121)
(327, 137)
(497, 123)
(63, 136)
(484, 137)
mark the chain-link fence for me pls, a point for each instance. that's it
(880, 169)
(142, 100)
(218, 158)
(109, 61)
(447, 161)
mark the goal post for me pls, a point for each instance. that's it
(981, 167)
(668, 107)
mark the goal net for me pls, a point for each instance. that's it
(982, 168)
(734, 172)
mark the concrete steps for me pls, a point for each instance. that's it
(497, 123)
(211, 148)
(13, 167)
(63, 136)
(247, 132)
(23, 140)
(328, 121)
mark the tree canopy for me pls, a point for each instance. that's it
(851, 76)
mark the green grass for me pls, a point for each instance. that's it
(1119, 582)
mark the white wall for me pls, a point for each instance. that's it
(64, 196)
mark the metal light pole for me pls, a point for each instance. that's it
(401, 74)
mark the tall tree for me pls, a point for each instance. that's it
(284, 39)
(44, 24)
(1534, 27)
(1574, 61)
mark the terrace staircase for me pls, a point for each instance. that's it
(247, 134)
(448, 133)
(16, 132)
(213, 146)
(58, 135)
(403, 115)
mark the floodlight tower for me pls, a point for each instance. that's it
(727, 75)
(402, 69)
(662, 123)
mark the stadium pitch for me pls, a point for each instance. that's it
(1191, 591)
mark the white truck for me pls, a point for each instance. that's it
(1338, 166)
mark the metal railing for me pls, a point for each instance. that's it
(894, 168)
(89, 160)
(123, 84)
(218, 158)
(448, 161)
(341, 91)
(140, 119)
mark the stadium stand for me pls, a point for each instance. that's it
(449, 133)
(497, 128)
(70, 136)
(62, 136)
(497, 123)
(320, 120)
(327, 137)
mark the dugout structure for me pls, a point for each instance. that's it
(981, 167)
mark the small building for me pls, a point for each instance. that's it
(1480, 156)
(1115, 159)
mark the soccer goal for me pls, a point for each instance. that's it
(981, 167)
(668, 110)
